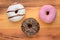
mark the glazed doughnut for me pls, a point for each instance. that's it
(30, 26)
(15, 12)
(47, 13)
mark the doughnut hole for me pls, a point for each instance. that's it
(47, 13)
(29, 25)
(16, 11)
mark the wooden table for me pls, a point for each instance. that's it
(12, 31)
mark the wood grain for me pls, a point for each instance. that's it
(12, 31)
(29, 3)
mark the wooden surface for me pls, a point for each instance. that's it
(12, 31)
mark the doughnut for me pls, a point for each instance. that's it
(47, 13)
(30, 26)
(15, 12)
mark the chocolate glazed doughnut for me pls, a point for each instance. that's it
(30, 26)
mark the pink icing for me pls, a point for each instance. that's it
(50, 17)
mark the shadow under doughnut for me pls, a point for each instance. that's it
(30, 26)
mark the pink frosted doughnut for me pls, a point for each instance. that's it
(47, 13)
